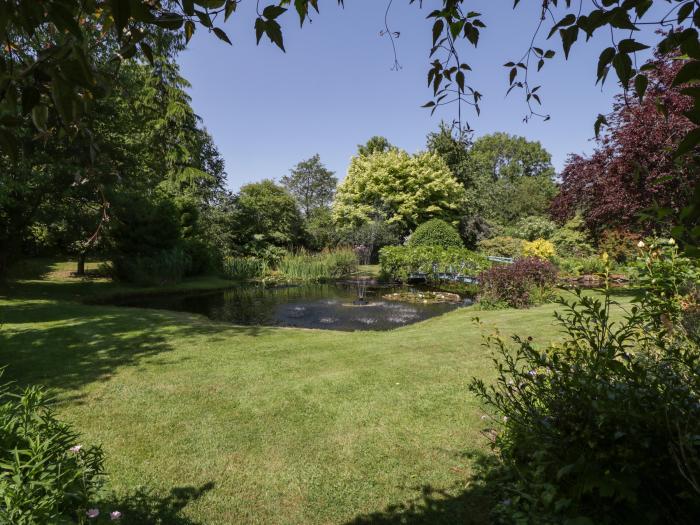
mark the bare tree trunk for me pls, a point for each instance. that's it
(81, 264)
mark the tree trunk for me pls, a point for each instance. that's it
(81, 265)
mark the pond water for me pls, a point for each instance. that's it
(325, 306)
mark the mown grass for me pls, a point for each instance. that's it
(209, 423)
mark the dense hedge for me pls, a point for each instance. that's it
(398, 262)
(436, 232)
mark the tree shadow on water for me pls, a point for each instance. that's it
(468, 505)
(143, 506)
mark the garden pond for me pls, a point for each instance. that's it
(325, 306)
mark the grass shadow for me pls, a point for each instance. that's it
(66, 345)
(468, 505)
(143, 506)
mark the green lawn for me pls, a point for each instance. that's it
(209, 423)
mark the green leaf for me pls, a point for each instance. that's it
(273, 11)
(641, 82)
(623, 67)
(689, 142)
(189, 30)
(629, 45)
(688, 73)
(222, 35)
(604, 60)
(40, 116)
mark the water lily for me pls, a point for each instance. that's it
(93, 513)
(115, 515)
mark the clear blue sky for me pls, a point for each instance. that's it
(334, 87)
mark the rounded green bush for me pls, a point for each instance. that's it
(436, 232)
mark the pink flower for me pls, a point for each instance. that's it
(115, 515)
(93, 513)
(75, 449)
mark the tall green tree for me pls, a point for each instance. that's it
(311, 184)
(406, 190)
(515, 177)
(264, 214)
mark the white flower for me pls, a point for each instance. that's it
(115, 515)
(93, 513)
(75, 449)
(640, 244)
(671, 241)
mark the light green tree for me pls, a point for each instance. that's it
(406, 190)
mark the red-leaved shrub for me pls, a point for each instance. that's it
(515, 283)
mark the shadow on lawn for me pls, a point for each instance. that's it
(432, 506)
(144, 507)
(76, 344)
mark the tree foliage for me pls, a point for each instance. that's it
(631, 169)
(406, 190)
(311, 184)
(376, 144)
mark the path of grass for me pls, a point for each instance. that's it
(230, 424)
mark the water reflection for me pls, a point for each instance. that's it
(328, 306)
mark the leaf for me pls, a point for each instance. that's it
(629, 45)
(189, 30)
(688, 73)
(623, 67)
(120, 13)
(222, 35)
(640, 85)
(40, 116)
(689, 142)
(230, 8)
(437, 30)
(568, 37)
(512, 75)
(273, 11)
(604, 61)
(599, 122)
(147, 51)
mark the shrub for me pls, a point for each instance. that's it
(200, 255)
(45, 475)
(577, 266)
(436, 232)
(600, 428)
(502, 246)
(539, 248)
(620, 245)
(398, 262)
(164, 267)
(243, 268)
(517, 285)
(535, 227)
(571, 240)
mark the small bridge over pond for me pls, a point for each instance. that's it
(459, 275)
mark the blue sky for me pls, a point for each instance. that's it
(334, 87)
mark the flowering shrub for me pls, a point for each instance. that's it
(539, 248)
(517, 285)
(436, 232)
(603, 427)
(398, 262)
(46, 476)
(672, 282)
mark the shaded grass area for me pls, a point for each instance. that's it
(209, 423)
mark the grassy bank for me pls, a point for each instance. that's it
(215, 424)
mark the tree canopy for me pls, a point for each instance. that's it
(311, 184)
(404, 189)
